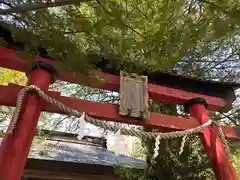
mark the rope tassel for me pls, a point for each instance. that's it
(183, 144)
(156, 149)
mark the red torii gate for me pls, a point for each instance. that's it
(15, 147)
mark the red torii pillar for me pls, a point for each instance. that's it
(15, 147)
(213, 146)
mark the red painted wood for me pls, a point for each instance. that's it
(164, 94)
(222, 166)
(15, 147)
(9, 60)
(8, 96)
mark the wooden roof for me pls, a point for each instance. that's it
(70, 159)
(62, 149)
(38, 169)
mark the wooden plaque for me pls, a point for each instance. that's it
(133, 96)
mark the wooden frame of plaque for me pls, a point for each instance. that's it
(133, 96)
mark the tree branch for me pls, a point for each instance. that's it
(5, 3)
(35, 6)
(231, 119)
(110, 14)
(215, 6)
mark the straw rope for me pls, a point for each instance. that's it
(104, 124)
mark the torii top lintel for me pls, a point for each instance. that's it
(210, 88)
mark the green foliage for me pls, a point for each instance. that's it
(1, 133)
(9, 76)
(192, 163)
(169, 164)
(236, 159)
(149, 33)
(2, 42)
(138, 151)
(125, 173)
